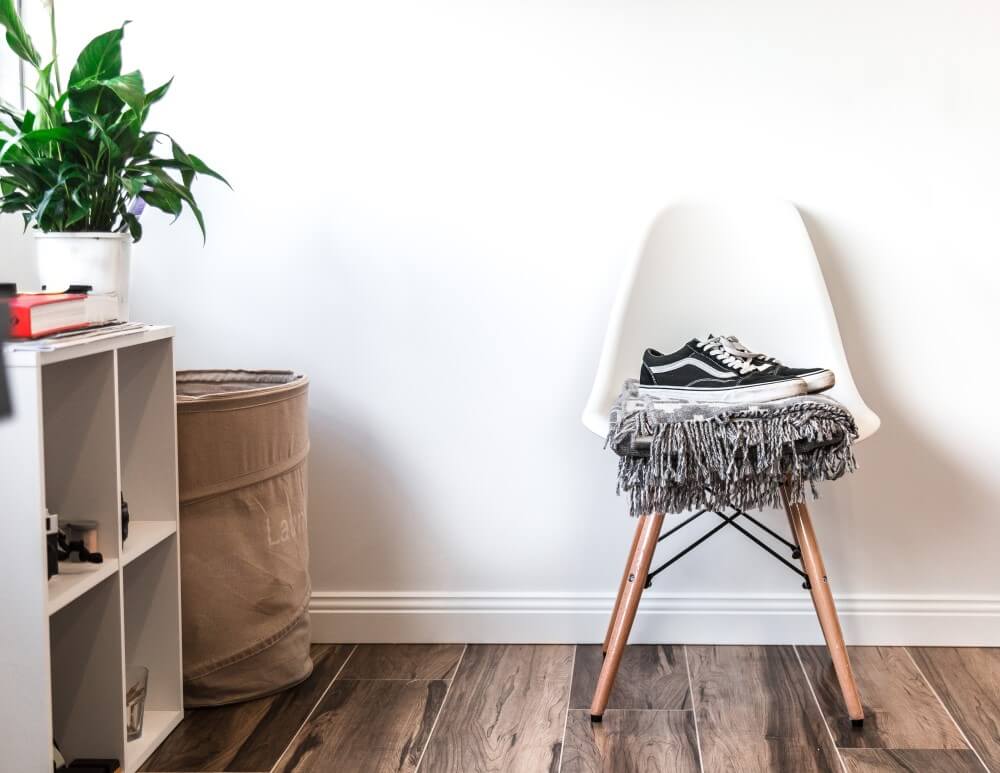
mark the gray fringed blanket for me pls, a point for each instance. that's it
(677, 457)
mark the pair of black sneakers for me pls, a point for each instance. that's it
(720, 369)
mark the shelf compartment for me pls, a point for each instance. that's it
(81, 447)
(156, 726)
(74, 580)
(143, 536)
(151, 583)
(88, 708)
(147, 426)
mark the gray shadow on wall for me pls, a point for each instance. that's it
(911, 498)
(360, 512)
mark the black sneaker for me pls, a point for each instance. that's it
(706, 371)
(817, 379)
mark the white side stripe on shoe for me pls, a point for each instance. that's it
(691, 361)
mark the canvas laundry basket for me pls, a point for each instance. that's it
(243, 438)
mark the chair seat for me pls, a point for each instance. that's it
(639, 447)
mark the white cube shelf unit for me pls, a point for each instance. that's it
(90, 420)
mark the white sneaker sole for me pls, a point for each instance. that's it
(819, 381)
(755, 393)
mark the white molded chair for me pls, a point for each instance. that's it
(744, 268)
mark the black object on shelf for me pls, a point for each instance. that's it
(52, 553)
(125, 518)
(66, 548)
(94, 766)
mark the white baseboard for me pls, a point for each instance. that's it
(677, 618)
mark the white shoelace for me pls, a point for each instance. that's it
(730, 351)
(746, 352)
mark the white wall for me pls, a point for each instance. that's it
(434, 202)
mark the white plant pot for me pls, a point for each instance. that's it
(102, 260)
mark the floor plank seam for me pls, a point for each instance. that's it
(640, 711)
(569, 700)
(694, 711)
(444, 701)
(819, 708)
(312, 711)
(934, 692)
(396, 679)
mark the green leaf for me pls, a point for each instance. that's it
(16, 116)
(144, 147)
(43, 93)
(43, 205)
(133, 185)
(125, 132)
(107, 96)
(100, 59)
(35, 142)
(158, 93)
(164, 200)
(17, 37)
(94, 98)
(70, 134)
(200, 218)
(78, 214)
(183, 163)
(183, 192)
(93, 101)
(96, 131)
(134, 227)
(129, 89)
(10, 207)
(202, 168)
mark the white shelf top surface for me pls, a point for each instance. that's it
(75, 579)
(67, 350)
(144, 535)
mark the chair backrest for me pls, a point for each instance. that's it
(744, 268)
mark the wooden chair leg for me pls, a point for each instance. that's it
(826, 611)
(621, 625)
(621, 586)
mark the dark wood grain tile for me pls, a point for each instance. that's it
(651, 676)
(755, 711)
(647, 741)
(911, 761)
(403, 661)
(247, 736)
(376, 726)
(901, 712)
(967, 679)
(505, 712)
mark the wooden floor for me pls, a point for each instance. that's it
(510, 708)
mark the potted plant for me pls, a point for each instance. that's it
(81, 166)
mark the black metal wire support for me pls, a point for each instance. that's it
(680, 526)
(689, 548)
(796, 552)
(730, 520)
(768, 548)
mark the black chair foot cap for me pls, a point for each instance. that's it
(596, 718)
(858, 722)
